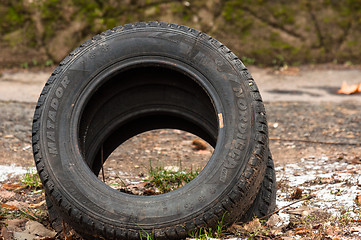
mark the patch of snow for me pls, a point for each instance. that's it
(335, 185)
(7, 171)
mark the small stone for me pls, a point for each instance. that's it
(274, 221)
(172, 168)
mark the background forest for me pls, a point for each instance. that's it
(261, 32)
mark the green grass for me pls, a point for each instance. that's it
(204, 233)
(166, 180)
(31, 179)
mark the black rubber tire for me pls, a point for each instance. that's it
(263, 205)
(265, 202)
(137, 78)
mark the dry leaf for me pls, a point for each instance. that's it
(5, 234)
(37, 204)
(12, 186)
(5, 195)
(4, 205)
(303, 210)
(199, 144)
(297, 194)
(274, 220)
(38, 229)
(349, 89)
(356, 160)
(253, 226)
(358, 200)
(17, 204)
(355, 229)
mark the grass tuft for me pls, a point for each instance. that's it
(168, 180)
(31, 179)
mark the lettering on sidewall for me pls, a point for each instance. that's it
(240, 143)
(51, 117)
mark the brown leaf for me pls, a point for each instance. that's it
(355, 229)
(358, 199)
(5, 195)
(253, 226)
(303, 210)
(356, 160)
(199, 144)
(5, 234)
(12, 186)
(16, 205)
(35, 205)
(38, 229)
(300, 231)
(349, 89)
(4, 205)
(297, 194)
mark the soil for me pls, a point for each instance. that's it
(307, 127)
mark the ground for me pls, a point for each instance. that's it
(315, 139)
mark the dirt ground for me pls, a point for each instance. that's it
(307, 121)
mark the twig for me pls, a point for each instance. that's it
(316, 142)
(284, 207)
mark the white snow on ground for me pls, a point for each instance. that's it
(335, 185)
(7, 171)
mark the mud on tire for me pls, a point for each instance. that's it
(141, 77)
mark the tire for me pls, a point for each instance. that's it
(141, 77)
(263, 205)
(265, 202)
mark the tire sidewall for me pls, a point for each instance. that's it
(214, 69)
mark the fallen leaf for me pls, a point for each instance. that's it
(6, 195)
(355, 229)
(199, 144)
(286, 70)
(253, 226)
(12, 186)
(358, 200)
(24, 236)
(5, 233)
(297, 194)
(349, 89)
(4, 205)
(137, 186)
(36, 205)
(38, 229)
(14, 225)
(303, 210)
(17, 204)
(356, 160)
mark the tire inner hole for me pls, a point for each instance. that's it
(156, 162)
(143, 117)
